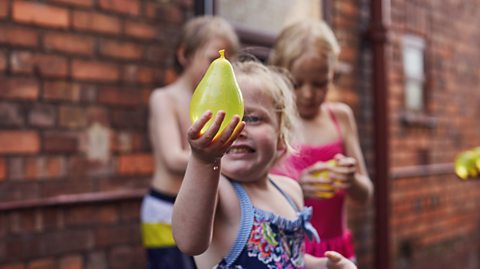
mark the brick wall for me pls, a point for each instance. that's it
(435, 217)
(75, 76)
(350, 21)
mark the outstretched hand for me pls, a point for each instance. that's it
(208, 146)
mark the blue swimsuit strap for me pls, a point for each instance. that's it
(246, 223)
(289, 199)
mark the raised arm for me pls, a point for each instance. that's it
(196, 203)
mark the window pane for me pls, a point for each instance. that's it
(267, 16)
(414, 95)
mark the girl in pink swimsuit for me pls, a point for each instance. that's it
(309, 51)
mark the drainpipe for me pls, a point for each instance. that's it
(378, 35)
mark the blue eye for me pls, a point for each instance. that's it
(251, 119)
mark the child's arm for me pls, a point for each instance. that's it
(352, 169)
(166, 136)
(194, 209)
(332, 260)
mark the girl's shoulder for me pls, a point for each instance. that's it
(340, 109)
(291, 187)
(342, 112)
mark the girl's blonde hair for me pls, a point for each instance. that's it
(301, 37)
(199, 30)
(274, 82)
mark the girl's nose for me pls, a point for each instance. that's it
(306, 91)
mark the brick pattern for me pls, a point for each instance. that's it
(88, 236)
(435, 218)
(73, 72)
(68, 65)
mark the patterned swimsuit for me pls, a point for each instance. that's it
(266, 240)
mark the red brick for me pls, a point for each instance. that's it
(19, 142)
(123, 50)
(13, 266)
(110, 236)
(140, 30)
(74, 184)
(121, 257)
(71, 43)
(46, 65)
(121, 6)
(56, 167)
(34, 168)
(60, 142)
(18, 36)
(19, 88)
(170, 14)
(96, 260)
(22, 222)
(96, 22)
(72, 117)
(103, 214)
(11, 115)
(42, 115)
(3, 8)
(140, 74)
(46, 263)
(170, 76)
(3, 169)
(3, 60)
(120, 97)
(94, 70)
(80, 3)
(135, 164)
(71, 262)
(40, 14)
(61, 91)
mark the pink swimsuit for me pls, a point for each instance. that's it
(329, 215)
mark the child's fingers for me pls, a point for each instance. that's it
(194, 130)
(223, 138)
(208, 136)
(333, 257)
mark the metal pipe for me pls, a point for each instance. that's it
(378, 33)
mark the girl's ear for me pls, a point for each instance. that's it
(180, 53)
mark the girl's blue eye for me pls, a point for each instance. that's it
(251, 119)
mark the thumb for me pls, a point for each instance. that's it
(333, 257)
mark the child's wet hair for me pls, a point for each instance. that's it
(279, 87)
(198, 31)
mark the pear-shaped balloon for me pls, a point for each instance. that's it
(465, 167)
(218, 90)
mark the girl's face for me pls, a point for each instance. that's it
(311, 82)
(257, 148)
(198, 63)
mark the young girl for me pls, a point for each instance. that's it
(199, 43)
(230, 211)
(309, 51)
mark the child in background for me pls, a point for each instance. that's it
(309, 50)
(230, 211)
(199, 43)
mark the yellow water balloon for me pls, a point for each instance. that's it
(218, 90)
(465, 165)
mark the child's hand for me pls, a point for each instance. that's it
(337, 261)
(344, 171)
(206, 146)
(316, 181)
